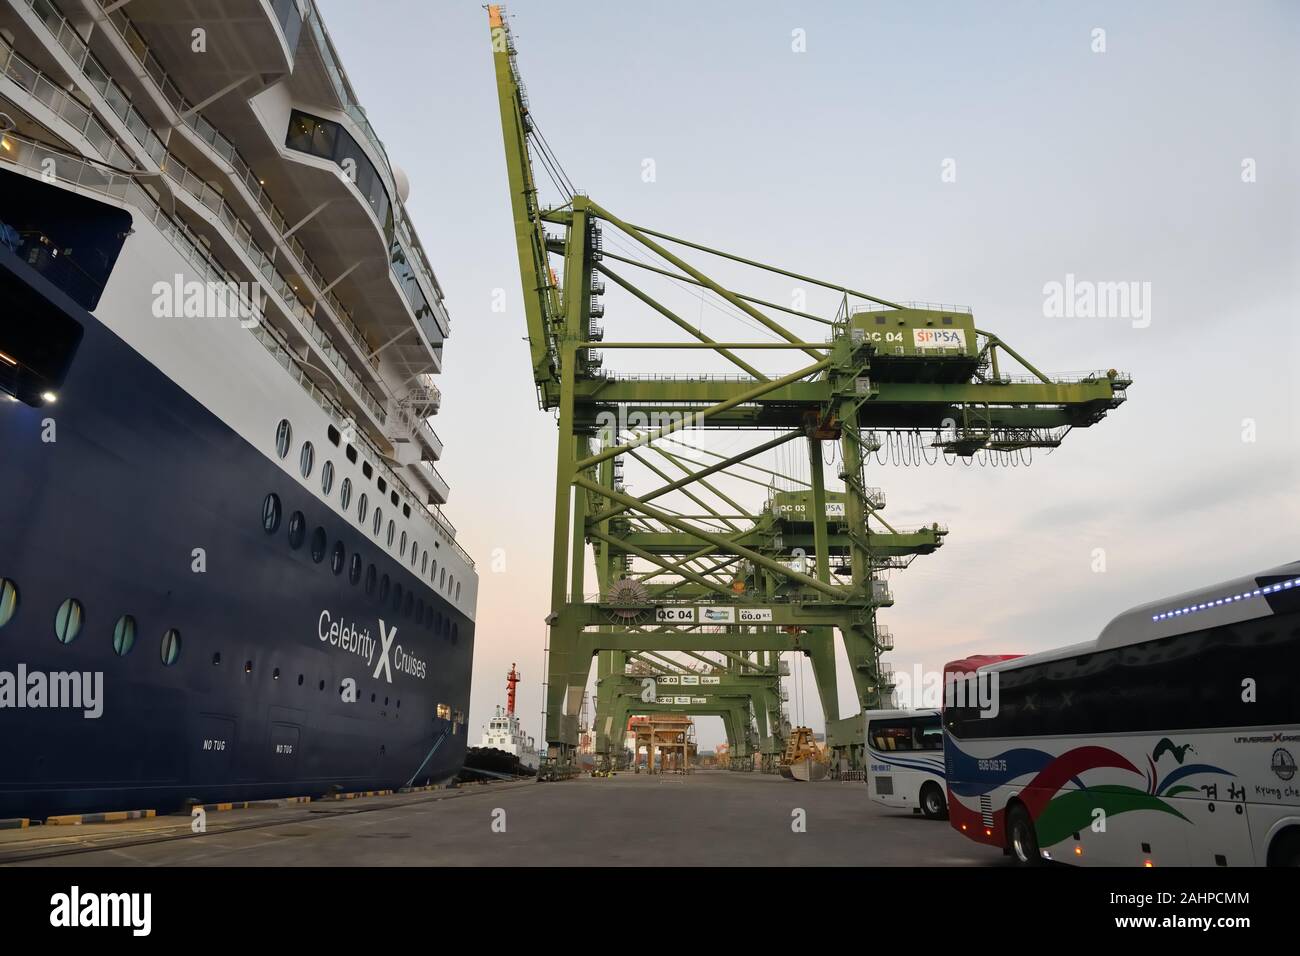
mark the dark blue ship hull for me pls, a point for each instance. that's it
(111, 514)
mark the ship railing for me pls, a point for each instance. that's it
(927, 306)
(67, 37)
(241, 170)
(94, 177)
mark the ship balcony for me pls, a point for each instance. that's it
(428, 476)
(241, 37)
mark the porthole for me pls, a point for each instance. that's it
(124, 635)
(392, 532)
(433, 572)
(283, 438)
(354, 569)
(171, 647)
(458, 592)
(345, 493)
(216, 658)
(8, 601)
(393, 498)
(383, 485)
(384, 587)
(327, 478)
(379, 521)
(424, 563)
(306, 459)
(322, 686)
(271, 513)
(406, 511)
(370, 580)
(67, 621)
(367, 470)
(333, 434)
(451, 582)
(248, 667)
(397, 597)
(363, 507)
(442, 578)
(415, 554)
(338, 559)
(275, 674)
(351, 452)
(401, 547)
(300, 679)
(297, 530)
(318, 545)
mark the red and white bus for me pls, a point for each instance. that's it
(1169, 740)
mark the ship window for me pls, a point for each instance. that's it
(370, 580)
(392, 496)
(333, 434)
(271, 513)
(397, 598)
(300, 679)
(401, 545)
(424, 563)
(415, 553)
(339, 558)
(433, 573)
(67, 621)
(406, 511)
(384, 587)
(372, 700)
(410, 600)
(275, 674)
(248, 667)
(383, 485)
(363, 507)
(392, 532)
(379, 520)
(124, 635)
(318, 545)
(428, 616)
(367, 470)
(283, 437)
(352, 454)
(297, 530)
(171, 647)
(442, 578)
(8, 601)
(455, 633)
(327, 478)
(306, 459)
(321, 686)
(419, 610)
(354, 570)
(216, 658)
(451, 581)
(458, 592)
(307, 134)
(345, 493)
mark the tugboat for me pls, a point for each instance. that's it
(505, 749)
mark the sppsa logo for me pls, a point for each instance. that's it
(76, 909)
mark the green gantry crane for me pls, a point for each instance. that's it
(909, 382)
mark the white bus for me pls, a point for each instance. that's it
(1170, 740)
(905, 760)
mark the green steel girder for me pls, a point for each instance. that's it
(879, 371)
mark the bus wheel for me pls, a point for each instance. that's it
(933, 805)
(1286, 849)
(1022, 838)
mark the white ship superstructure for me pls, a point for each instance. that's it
(253, 332)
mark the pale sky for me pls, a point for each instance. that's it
(1119, 166)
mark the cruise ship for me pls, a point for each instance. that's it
(225, 570)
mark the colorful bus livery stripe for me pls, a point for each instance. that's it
(902, 758)
(1056, 813)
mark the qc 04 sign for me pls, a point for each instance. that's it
(674, 615)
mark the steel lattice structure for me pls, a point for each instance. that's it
(745, 584)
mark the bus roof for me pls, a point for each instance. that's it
(1229, 602)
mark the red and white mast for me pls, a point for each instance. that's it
(512, 681)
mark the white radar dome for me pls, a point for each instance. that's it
(402, 181)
